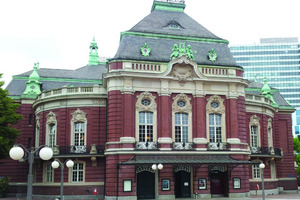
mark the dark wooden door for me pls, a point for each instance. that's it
(182, 184)
(219, 184)
(145, 185)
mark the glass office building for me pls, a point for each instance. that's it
(278, 59)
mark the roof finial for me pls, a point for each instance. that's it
(33, 86)
(93, 60)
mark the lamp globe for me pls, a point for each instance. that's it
(154, 167)
(46, 153)
(55, 164)
(70, 163)
(261, 165)
(16, 153)
(160, 166)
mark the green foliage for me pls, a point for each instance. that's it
(296, 143)
(8, 118)
(4, 184)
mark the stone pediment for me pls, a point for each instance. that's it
(182, 69)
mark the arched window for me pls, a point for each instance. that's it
(215, 121)
(51, 130)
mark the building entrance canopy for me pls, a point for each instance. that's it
(187, 159)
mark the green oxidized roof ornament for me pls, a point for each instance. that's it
(266, 91)
(182, 50)
(33, 88)
(212, 55)
(145, 50)
(93, 59)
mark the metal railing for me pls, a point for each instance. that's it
(266, 151)
(146, 145)
(83, 150)
(217, 146)
(183, 146)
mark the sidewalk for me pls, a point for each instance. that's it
(258, 197)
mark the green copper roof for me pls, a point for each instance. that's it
(33, 88)
(173, 5)
(93, 60)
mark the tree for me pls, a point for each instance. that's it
(8, 118)
(296, 143)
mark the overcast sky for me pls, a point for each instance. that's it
(57, 33)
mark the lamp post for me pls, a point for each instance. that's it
(262, 166)
(17, 152)
(156, 168)
(55, 164)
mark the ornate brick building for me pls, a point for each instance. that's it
(173, 97)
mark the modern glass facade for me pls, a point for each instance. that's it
(278, 59)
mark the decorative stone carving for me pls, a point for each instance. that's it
(210, 108)
(182, 168)
(182, 72)
(51, 118)
(142, 168)
(254, 121)
(146, 95)
(37, 122)
(182, 97)
(79, 116)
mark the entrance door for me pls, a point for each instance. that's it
(182, 184)
(219, 184)
(145, 185)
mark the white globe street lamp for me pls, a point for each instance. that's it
(55, 164)
(262, 166)
(156, 168)
(17, 153)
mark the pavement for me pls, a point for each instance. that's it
(284, 196)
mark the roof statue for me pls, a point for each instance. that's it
(266, 91)
(182, 50)
(93, 60)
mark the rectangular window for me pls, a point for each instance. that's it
(146, 127)
(77, 172)
(52, 135)
(79, 134)
(30, 119)
(256, 171)
(254, 136)
(297, 130)
(181, 127)
(49, 174)
(215, 128)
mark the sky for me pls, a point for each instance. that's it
(57, 33)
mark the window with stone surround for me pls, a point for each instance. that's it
(181, 127)
(78, 131)
(182, 119)
(254, 127)
(48, 173)
(215, 128)
(146, 118)
(270, 133)
(78, 172)
(256, 172)
(215, 120)
(51, 130)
